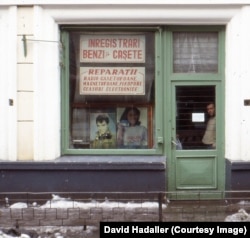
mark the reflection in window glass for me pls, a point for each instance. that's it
(111, 89)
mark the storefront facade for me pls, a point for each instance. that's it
(113, 97)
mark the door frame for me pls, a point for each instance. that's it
(211, 158)
(170, 81)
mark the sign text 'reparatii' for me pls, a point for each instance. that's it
(112, 80)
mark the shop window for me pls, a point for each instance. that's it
(111, 83)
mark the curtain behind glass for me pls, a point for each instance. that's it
(195, 52)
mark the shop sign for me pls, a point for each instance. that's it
(112, 80)
(112, 48)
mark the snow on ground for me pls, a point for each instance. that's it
(71, 232)
(89, 231)
(54, 232)
(59, 202)
(241, 215)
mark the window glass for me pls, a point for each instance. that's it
(195, 52)
(111, 89)
(195, 117)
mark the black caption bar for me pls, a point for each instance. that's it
(174, 229)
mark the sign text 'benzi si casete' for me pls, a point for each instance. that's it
(112, 48)
(112, 80)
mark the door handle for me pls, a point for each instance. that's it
(173, 142)
(176, 144)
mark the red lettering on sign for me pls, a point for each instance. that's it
(129, 43)
(93, 54)
(104, 71)
(102, 43)
(127, 54)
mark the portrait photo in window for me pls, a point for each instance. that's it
(102, 130)
(132, 130)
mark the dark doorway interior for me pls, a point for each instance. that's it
(191, 116)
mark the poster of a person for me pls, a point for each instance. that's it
(103, 130)
(131, 128)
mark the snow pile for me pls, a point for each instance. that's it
(241, 215)
(3, 235)
(52, 232)
(19, 205)
(60, 202)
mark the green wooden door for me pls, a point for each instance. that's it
(196, 164)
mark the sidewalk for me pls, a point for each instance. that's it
(207, 211)
(215, 211)
(71, 219)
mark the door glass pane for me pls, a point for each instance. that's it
(195, 52)
(195, 117)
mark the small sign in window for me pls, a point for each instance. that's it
(198, 117)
